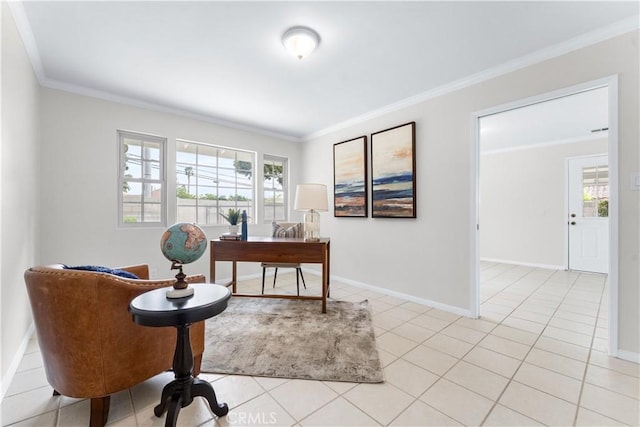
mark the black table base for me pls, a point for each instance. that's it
(180, 392)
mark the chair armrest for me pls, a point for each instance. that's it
(142, 270)
(159, 283)
(196, 278)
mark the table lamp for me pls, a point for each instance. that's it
(311, 198)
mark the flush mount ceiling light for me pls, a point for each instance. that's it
(300, 41)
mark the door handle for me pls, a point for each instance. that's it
(573, 215)
(573, 223)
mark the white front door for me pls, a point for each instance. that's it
(588, 220)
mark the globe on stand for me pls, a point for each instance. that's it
(182, 243)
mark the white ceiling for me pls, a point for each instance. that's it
(224, 61)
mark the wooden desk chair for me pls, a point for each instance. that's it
(282, 230)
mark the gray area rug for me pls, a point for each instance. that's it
(288, 338)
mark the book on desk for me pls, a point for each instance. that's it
(230, 236)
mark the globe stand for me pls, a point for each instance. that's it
(181, 288)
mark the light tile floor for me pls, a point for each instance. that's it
(537, 356)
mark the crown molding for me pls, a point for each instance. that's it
(588, 39)
(133, 102)
(26, 33)
(601, 34)
(29, 42)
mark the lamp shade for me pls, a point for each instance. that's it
(311, 197)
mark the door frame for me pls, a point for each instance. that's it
(611, 82)
(566, 198)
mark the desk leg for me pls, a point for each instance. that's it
(328, 269)
(325, 281)
(234, 276)
(324, 293)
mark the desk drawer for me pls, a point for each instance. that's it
(286, 251)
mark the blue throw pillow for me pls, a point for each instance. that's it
(114, 271)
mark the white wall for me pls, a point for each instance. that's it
(429, 257)
(80, 174)
(523, 203)
(19, 189)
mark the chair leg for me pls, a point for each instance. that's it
(99, 411)
(297, 282)
(301, 275)
(274, 277)
(263, 273)
(197, 362)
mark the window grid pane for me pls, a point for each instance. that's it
(595, 191)
(211, 180)
(142, 197)
(275, 188)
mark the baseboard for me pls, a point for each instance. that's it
(525, 264)
(433, 304)
(15, 363)
(628, 355)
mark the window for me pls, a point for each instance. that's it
(275, 188)
(595, 191)
(211, 180)
(142, 190)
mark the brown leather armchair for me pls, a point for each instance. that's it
(90, 345)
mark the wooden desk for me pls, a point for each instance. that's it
(269, 249)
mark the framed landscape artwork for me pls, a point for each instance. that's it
(393, 172)
(350, 178)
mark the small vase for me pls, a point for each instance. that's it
(233, 229)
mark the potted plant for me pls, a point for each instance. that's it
(232, 216)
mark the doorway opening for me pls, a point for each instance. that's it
(523, 216)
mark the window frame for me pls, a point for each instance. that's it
(285, 188)
(162, 180)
